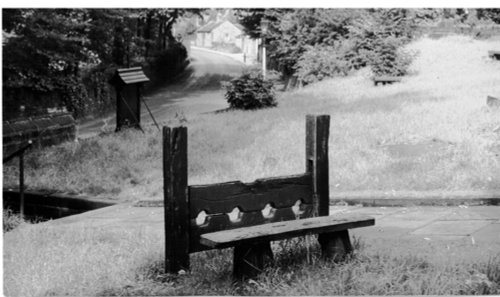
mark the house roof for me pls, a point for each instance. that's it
(209, 27)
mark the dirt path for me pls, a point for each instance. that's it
(199, 92)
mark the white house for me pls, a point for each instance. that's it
(226, 36)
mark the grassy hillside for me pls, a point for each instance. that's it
(433, 131)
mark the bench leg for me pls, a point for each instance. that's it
(249, 260)
(335, 245)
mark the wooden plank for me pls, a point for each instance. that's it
(386, 79)
(317, 133)
(283, 230)
(176, 199)
(223, 198)
(221, 222)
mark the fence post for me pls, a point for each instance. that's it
(176, 199)
(21, 185)
(317, 133)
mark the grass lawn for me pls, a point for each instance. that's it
(439, 108)
(438, 112)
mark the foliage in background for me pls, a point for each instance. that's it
(492, 14)
(444, 113)
(61, 53)
(314, 44)
(378, 38)
(318, 63)
(250, 91)
(292, 32)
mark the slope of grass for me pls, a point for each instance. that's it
(442, 101)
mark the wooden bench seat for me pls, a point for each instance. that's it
(284, 230)
(386, 79)
(248, 216)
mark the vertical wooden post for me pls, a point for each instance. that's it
(250, 259)
(21, 185)
(175, 187)
(317, 133)
(334, 245)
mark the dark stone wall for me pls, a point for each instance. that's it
(42, 130)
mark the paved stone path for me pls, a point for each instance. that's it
(473, 224)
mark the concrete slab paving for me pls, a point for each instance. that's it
(420, 213)
(488, 234)
(457, 228)
(382, 232)
(462, 225)
(412, 218)
(466, 214)
(463, 238)
(492, 212)
(376, 212)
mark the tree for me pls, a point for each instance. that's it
(54, 50)
(292, 31)
(492, 14)
(47, 44)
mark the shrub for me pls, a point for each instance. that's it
(388, 58)
(250, 91)
(378, 41)
(318, 63)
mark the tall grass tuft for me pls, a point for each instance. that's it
(10, 220)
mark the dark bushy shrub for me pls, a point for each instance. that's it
(250, 91)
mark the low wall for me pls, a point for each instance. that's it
(48, 205)
(42, 130)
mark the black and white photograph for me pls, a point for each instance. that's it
(250, 150)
